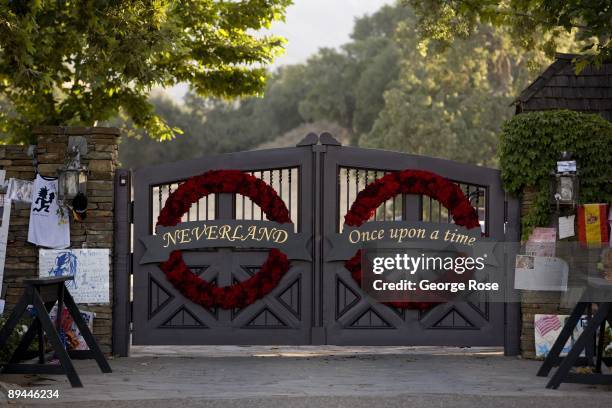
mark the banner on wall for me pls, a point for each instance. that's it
(5, 211)
(90, 268)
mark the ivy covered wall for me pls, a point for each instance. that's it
(530, 145)
(529, 148)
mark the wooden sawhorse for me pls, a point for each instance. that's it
(43, 294)
(599, 289)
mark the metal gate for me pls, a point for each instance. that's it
(316, 302)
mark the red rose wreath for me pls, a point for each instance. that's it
(199, 290)
(407, 182)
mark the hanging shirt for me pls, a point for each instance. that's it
(49, 226)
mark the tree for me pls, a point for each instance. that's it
(451, 103)
(217, 126)
(78, 62)
(347, 85)
(528, 21)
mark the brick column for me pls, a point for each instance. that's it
(96, 231)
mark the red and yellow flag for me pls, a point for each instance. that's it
(592, 224)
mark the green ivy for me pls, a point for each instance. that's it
(530, 145)
(11, 344)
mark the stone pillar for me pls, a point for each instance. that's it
(535, 302)
(96, 231)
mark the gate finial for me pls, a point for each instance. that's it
(327, 139)
(309, 140)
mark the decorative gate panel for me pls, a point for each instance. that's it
(163, 316)
(353, 318)
(316, 302)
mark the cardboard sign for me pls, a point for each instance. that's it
(540, 273)
(547, 329)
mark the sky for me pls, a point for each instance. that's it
(310, 25)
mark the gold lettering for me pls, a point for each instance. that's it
(237, 235)
(251, 234)
(198, 232)
(280, 236)
(224, 232)
(168, 237)
(185, 238)
(354, 236)
(266, 233)
(212, 232)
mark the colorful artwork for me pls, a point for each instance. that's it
(69, 333)
(547, 329)
(90, 268)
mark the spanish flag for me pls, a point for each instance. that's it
(592, 224)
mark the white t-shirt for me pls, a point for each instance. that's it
(48, 228)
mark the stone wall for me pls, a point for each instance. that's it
(96, 231)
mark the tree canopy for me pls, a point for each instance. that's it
(78, 62)
(528, 21)
(451, 103)
(386, 87)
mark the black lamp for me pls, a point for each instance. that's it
(565, 184)
(72, 178)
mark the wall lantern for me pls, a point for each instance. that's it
(72, 178)
(565, 185)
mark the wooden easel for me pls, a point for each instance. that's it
(43, 294)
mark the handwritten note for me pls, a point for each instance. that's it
(90, 268)
(566, 227)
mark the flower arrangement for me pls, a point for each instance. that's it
(407, 182)
(199, 290)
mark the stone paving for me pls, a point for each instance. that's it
(324, 376)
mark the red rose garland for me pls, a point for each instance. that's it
(199, 290)
(407, 182)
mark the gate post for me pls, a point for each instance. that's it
(319, 205)
(317, 331)
(122, 264)
(512, 335)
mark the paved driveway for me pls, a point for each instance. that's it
(314, 377)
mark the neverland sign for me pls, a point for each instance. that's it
(224, 233)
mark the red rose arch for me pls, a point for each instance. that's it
(407, 182)
(199, 290)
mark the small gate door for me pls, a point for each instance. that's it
(350, 316)
(161, 315)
